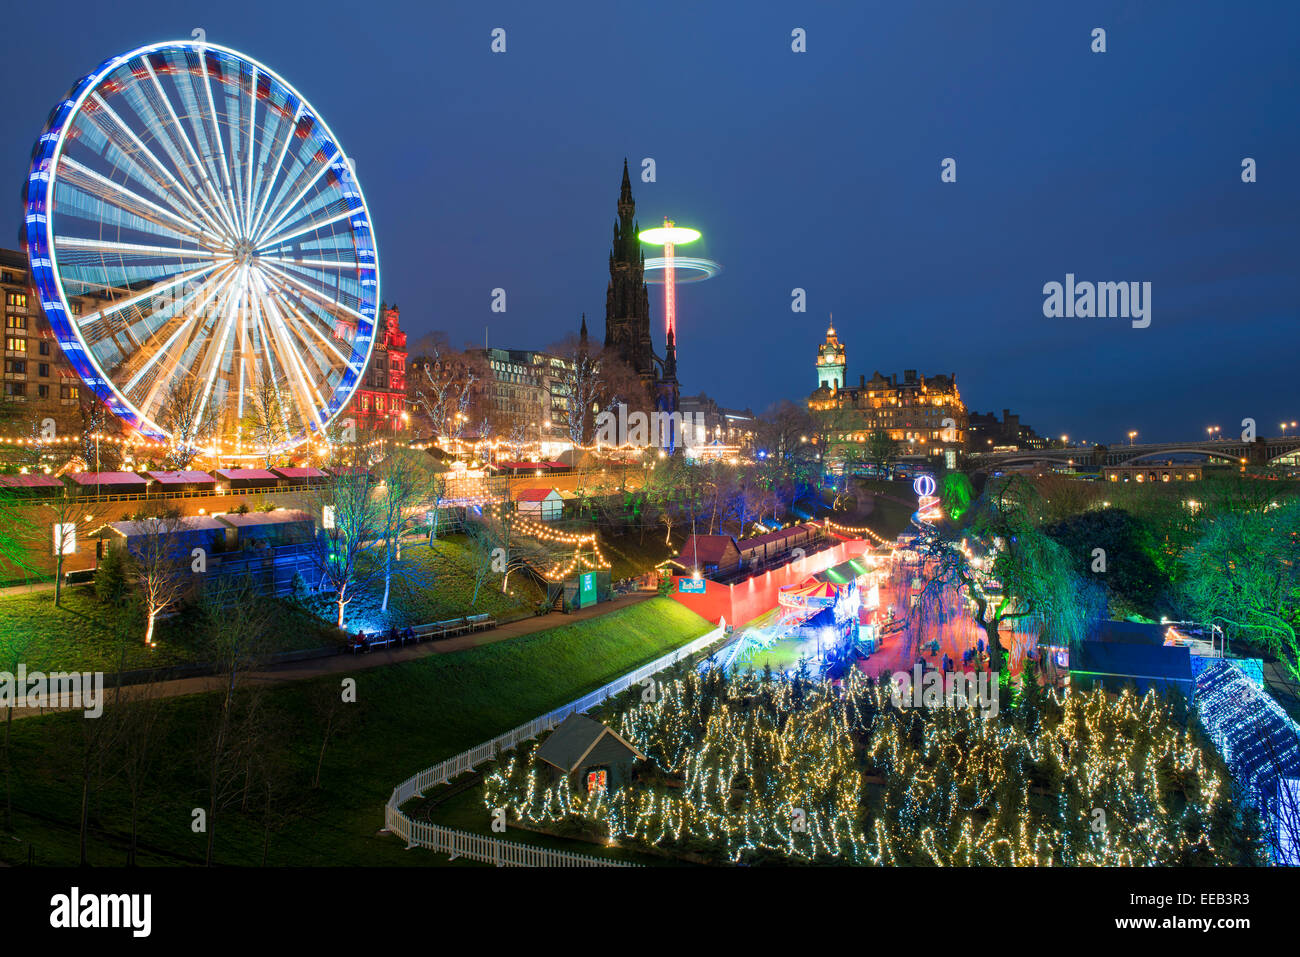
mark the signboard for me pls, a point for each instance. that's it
(691, 586)
(586, 589)
(65, 538)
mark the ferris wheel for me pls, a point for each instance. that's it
(195, 231)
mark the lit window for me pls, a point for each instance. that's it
(597, 780)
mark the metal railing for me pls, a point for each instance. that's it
(493, 850)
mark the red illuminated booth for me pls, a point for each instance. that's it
(30, 484)
(109, 483)
(247, 478)
(188, 481)
(300, 475)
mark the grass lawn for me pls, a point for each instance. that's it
(83, 634)
(407, 717)
(629, 556)
(781, 656)
(434, 584)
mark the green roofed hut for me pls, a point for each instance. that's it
(592, 756)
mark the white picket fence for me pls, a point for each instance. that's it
(494, 850)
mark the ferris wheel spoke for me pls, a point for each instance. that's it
(228, 174)
(144, 101)
(264, 362)
(152, 355)
(292, 204)
(339, 264)
(181, 364)
(291, 360)
(137, 171)
(217, 346)
(131, 249)
(117, 194)
(172, 186)
(313, 324)
(119, 343)
(313, 225)
(329, 301)
(249, 189)
(152, 291)
(290, 331)
(214, 208)
(269, 187)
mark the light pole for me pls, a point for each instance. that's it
(1131, 437)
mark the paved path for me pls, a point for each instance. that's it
(28, 587)
(347, 663)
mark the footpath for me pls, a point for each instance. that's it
(347, 663)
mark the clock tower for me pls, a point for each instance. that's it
(831, 362)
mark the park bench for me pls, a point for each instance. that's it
(434, 630)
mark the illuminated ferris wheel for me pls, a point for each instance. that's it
(195, 231)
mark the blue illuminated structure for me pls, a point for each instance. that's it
(1260, 744)
(190, 216)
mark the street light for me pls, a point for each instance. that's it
(1131, 437)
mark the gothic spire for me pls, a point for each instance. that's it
(625, 193)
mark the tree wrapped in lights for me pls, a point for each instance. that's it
(844, 775)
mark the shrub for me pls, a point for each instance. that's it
(110, 578)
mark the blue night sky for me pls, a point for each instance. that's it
(817, 170)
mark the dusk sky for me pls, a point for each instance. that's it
(818, 170)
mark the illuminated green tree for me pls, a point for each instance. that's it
(1244, 573)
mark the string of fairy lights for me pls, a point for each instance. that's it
(812, 772)
(586, 555)
(856, 530)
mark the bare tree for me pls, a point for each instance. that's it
(580, 384)
(159, 565)
(142, 721)
(332, 716)
(73, 515)
(188, 419)
(349, 530)
(443, 382)
(236, 627)
(266, 417)
(405, 481)
(593, 379)
(516, 440)
(17, 643)
(101, 435)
